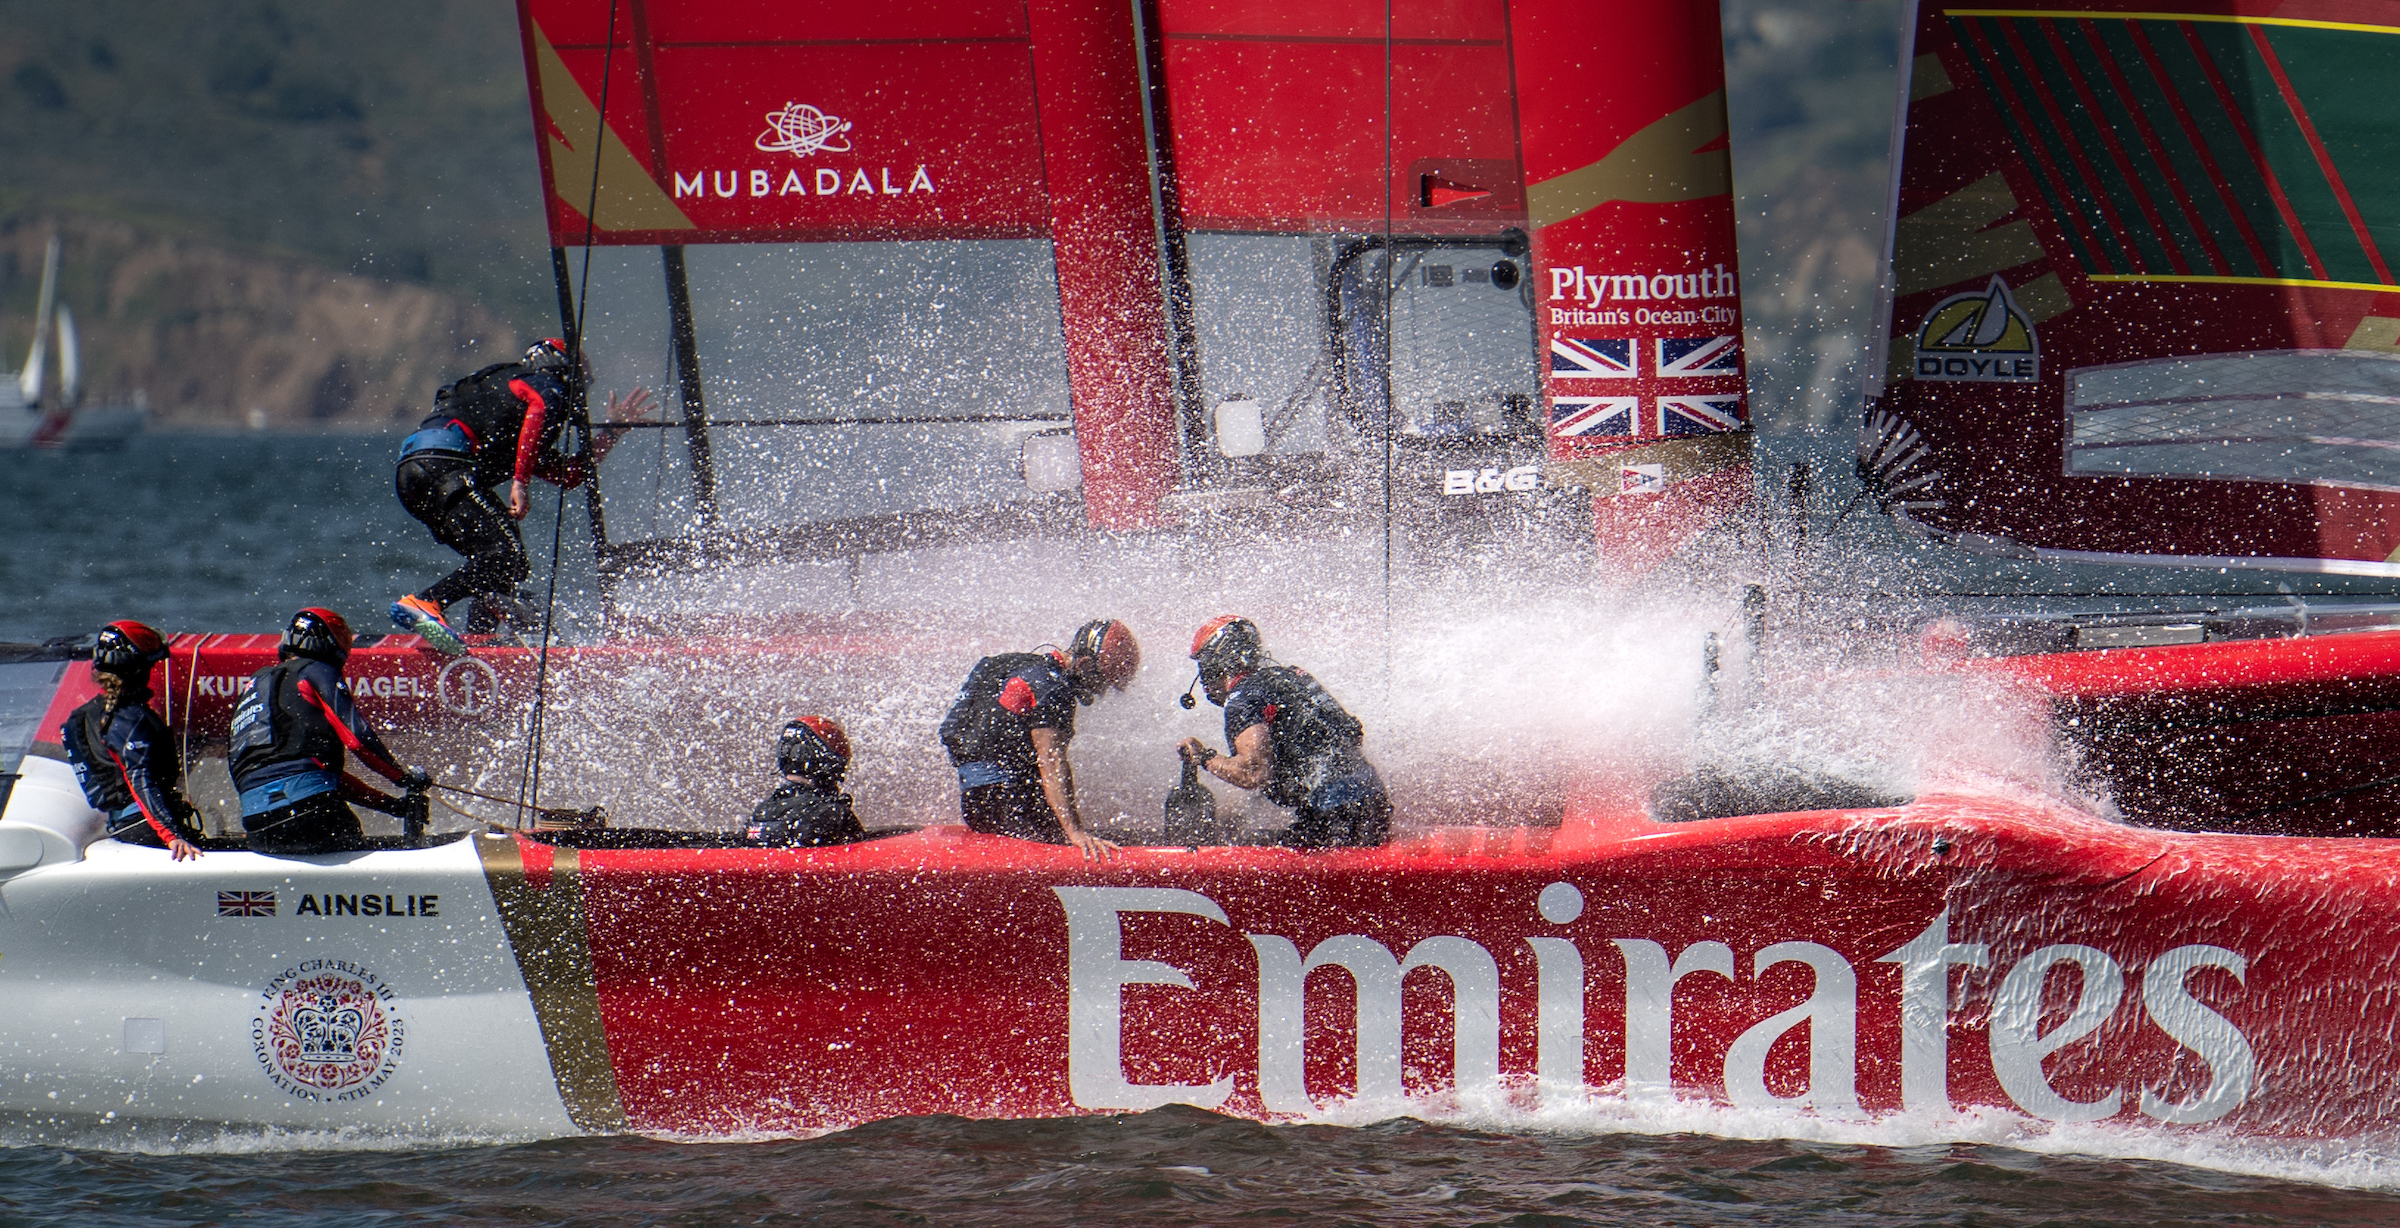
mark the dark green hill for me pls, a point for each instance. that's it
(390, 139)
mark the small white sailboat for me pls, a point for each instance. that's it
(28, 419)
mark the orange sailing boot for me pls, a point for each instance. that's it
(415, 614)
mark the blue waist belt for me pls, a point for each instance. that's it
(448, 439)
(276, 794)
(977, 775)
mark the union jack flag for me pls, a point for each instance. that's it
(1684, 357)
(1693, 386)
(1594, 415)
(1592, 358)
(245, 903)
(1698, 415)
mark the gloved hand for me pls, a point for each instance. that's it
(417, 780)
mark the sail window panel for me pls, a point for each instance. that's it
(2010, 84)
(1258, 302)
(646, 486)
(2329, 418)
(2186, 170)
(820, 21)
(880, 377)
(2315, 212)
(2046, 182)
(2345, 81)
(2189, 77)
(2133, 145)
(2093, 150)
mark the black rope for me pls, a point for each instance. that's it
(530, 778)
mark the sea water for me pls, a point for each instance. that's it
(1469, 692)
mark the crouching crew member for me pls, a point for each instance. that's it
(1007, 733)
(1289, 738)
(288, 735)
(120, 749)
(496, 426)
(809, 808)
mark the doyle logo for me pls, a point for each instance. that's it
(327, 1030)
(1980, 337)
(1491, 480)
(467, 686)
(800, 130)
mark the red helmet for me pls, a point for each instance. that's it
(813, 746)
(128, 649)
(1226, 645)
(319, 634)
(1111, 645)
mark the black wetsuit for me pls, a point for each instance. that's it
(486, 430)
(805, 814)
(989, 734)
(289, 733)
(122, 758)
(1336, 795)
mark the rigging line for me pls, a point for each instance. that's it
(529, 779)
(1390, 410)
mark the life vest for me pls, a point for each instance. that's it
(277, 733)
(492, 415)
(1315, 739)
(804, 815)
(979, 731)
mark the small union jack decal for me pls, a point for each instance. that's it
(1698, 415)
(1592, 358)
(245, 903)
(1688, 357)
(1594, 415)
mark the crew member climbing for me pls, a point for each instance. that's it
(808, 809)
(288, 737)
(120, 748)
(500, 425)
(1008, 730)
(1290, 739)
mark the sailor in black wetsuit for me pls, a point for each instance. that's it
(497, 426)
(1008, 730)
(1291, 738)
(809, 808)
(289, 732)
(120, 749)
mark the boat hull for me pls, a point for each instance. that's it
(1960, 953)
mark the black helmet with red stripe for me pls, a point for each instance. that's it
(320, 635)
(814, 747)
(128, 649)
(551, 354)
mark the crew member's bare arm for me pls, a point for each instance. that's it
(1252, 760)
(1058, 788)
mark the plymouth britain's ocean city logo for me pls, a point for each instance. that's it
(800, 130)
(1983, 337)
(327, 1030)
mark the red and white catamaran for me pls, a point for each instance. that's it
(1461, 274)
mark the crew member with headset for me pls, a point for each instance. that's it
(120, 749)
(1007, 733)
(809, 808)
(498, 425)
(288, 735)
(1290, 738)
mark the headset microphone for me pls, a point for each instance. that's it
(1187, 701)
